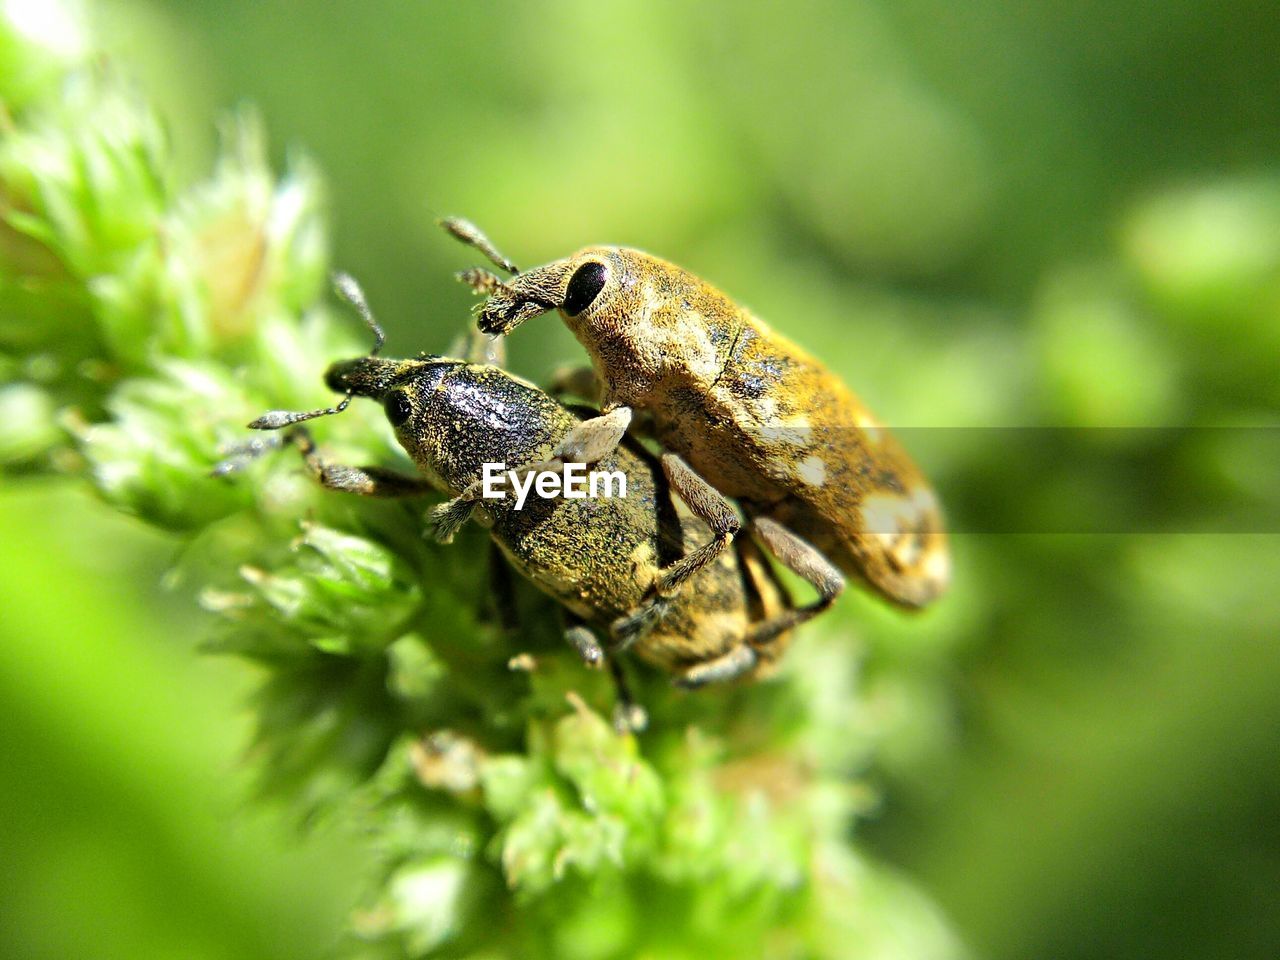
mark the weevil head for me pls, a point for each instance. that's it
(638, 316)
(398, 385)
(452, 417)
(593, 282)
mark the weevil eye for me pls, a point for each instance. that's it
(584, 286)
(398, 408)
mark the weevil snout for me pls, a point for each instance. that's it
(523, 296)
(363, 376)
(503, 312)
(374, 377)
(571, 285)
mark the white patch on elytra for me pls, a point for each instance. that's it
(896, 522)
(937, 566)
(868, 425)
(689, 340)
(888, 515)
(794, 432)
(813, 471)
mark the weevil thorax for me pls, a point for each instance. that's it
(651, 321)
(480, 414)
(641, 319)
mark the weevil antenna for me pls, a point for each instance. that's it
(484, 282)
(279, 419)
(349, 290)
(473, 236)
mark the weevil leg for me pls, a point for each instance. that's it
(738, 662)
(584, 642)
(710, 506)
(365, 481)
(502, 591)
(770, 643)
(592, 440)
(625, 631)
(445, 519)
(628, 715)
(803, 559)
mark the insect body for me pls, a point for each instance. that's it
(742, 407)
(602, 559)
(598, 557)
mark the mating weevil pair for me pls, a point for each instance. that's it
(600, 559)
(740, 407)
(740, 413)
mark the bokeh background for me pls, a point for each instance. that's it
(987, 214)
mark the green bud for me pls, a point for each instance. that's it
(40, 42)
(610, 778)
(153, 458)
(240, 248)
(339, 593)
(427, 900)
(84, 176)
(28, 427)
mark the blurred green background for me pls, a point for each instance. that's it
(992, 213)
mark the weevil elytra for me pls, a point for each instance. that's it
(741, 406)
(599, 558)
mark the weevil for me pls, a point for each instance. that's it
(599, 558)
(740, 406)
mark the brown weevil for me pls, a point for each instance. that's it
(740, 406)
(600, 558)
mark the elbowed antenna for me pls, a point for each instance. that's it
(279, 419)
(481, 281)
(349, 290)
(473, 236)
(507, 306)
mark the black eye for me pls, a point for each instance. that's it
(584, 286)
(398, 408)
